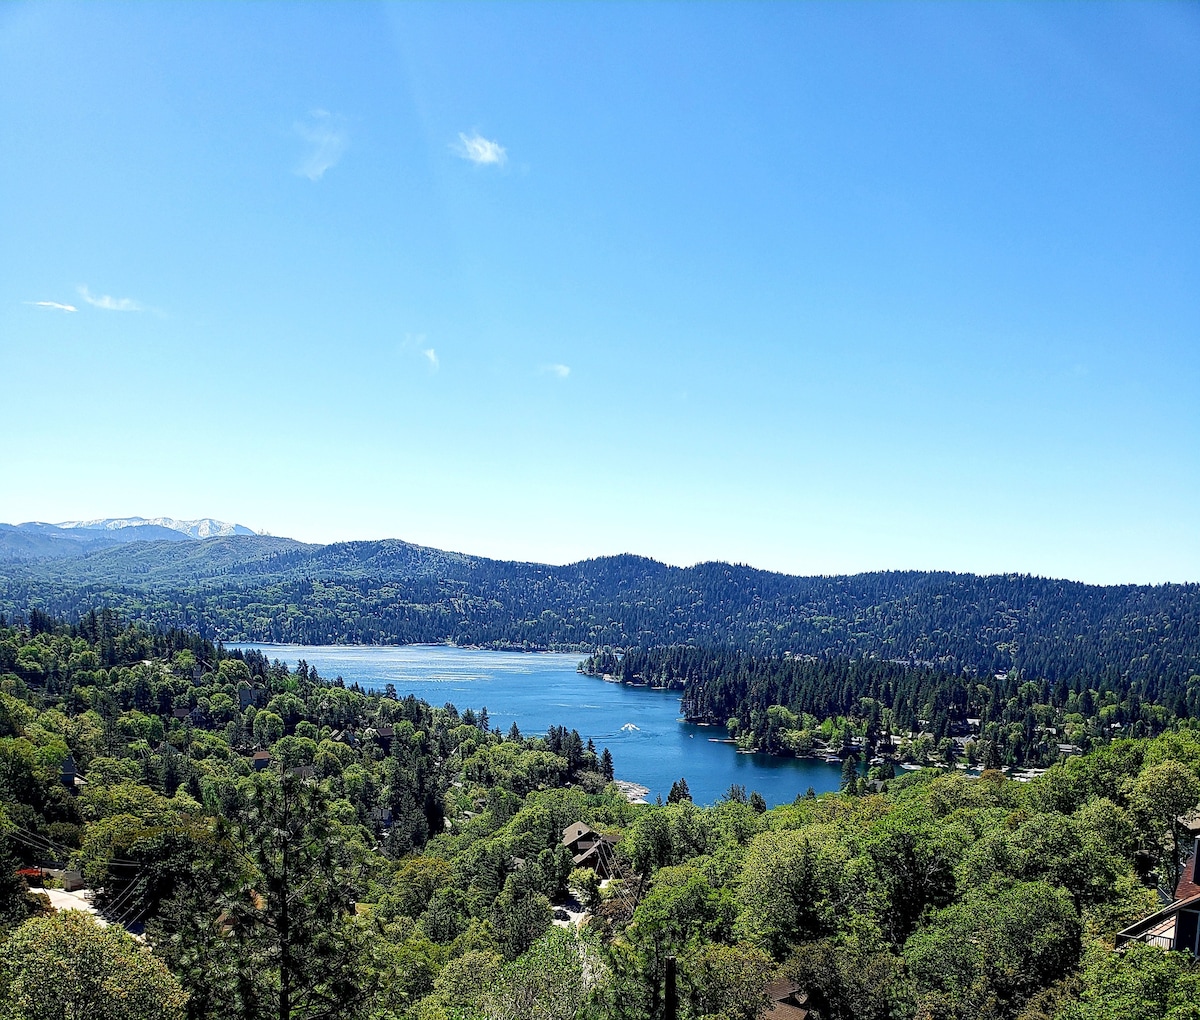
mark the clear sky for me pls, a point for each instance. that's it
(820, 288)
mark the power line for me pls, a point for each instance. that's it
(66, 851)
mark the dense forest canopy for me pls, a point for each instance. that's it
(259, 588)
(869, 707)
(288, 847)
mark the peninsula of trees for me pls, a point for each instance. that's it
(804, 705)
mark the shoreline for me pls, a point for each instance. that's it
(635, 793)
(520, 649)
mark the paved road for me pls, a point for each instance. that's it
(63, 900)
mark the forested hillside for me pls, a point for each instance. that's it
(269, 589)
(236, 811)
(289, 848)
(806, 705)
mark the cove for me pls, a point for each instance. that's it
(640, 726)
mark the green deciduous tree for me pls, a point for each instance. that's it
(913, 870)
(1141, 983)
(851, 978)
(725, 981)
(995, 947)
(681, 912)
(791, 886)
(549, 982)
(1162, 796)
(68, 967)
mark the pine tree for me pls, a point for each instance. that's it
(289, 915)
(850, 774)
(679, 792)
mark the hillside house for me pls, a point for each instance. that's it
(70, 776)
(384, 734)
(788, 1002)
(589, 849)
(1177, 925)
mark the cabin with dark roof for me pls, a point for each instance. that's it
(788, 1001)
(70, 776)
(589, 849)
(574, 834)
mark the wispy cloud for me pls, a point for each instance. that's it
(415, 345)
(110, 304)
(558, 371)
(327, 140)
(479, 150)
(57, 306)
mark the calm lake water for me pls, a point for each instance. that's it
(641, 727)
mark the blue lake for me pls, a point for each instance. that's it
(641, 727)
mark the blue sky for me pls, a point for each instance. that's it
(821, 288)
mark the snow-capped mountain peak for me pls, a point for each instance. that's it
(204, 527)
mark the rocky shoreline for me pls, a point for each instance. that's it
(635, 793)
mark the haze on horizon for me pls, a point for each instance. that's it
(821, 288)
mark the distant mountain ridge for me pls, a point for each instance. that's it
(37, 539)
(263, 588)
(204, 527)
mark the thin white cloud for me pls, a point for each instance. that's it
(414, 346)
(110, 304)
(479, 150)
(558, 371)
(327, 140)
(57, 306)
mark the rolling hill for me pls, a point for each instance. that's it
(262, 588)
